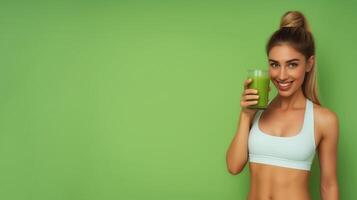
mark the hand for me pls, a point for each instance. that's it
(249, 97)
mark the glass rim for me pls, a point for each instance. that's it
(257, 69)
(257, 72)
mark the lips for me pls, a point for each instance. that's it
(284, 85)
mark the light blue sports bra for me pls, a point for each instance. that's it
(295, 152)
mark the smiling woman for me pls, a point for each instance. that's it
(280, 142)
(287, 74)
(295, 39)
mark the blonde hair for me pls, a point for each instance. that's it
(295, 31)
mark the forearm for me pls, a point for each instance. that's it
(237, 154)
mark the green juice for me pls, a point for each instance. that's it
(260, 82)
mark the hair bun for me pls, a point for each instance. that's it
(294, 19)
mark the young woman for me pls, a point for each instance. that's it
(280, 142)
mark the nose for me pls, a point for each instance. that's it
(283, 74)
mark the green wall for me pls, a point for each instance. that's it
(138, 100)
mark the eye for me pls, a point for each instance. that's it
(274, 65)
(293, 65)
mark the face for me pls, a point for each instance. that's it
(287, 68)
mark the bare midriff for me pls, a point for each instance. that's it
(268, 182)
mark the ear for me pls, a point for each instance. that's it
(310, 63)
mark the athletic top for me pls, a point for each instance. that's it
(295, 152)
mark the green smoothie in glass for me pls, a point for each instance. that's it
(260, 82)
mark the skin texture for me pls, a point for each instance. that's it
(284, 117)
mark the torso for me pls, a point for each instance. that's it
(277, 183)
(280, 183)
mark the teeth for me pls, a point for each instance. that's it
(285, 84)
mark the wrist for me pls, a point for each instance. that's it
(247, 116)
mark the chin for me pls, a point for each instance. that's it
(285, 93)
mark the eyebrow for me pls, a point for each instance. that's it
(291, 60)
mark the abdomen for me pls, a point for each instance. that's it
(277, 183)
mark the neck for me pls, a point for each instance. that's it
(296, 100)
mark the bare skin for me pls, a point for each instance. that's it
(284, 118)
(278, 183)
(273, 182)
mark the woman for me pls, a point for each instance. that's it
(280, 142)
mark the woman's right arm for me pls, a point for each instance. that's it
(237, 154)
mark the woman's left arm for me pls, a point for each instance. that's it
(327, 152)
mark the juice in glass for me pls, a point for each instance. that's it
(260, 82)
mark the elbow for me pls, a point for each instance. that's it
(329, 189)
(328, 183)
(235, 166)
(235, 170)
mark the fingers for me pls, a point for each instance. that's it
(248, 103)
(250, 91)
(246, 83)
(250, 97)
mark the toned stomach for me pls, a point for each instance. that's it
(269, 182)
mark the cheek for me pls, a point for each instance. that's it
(272, 74)
(299, 79)
(299, 75)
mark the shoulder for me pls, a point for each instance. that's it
(326, 120)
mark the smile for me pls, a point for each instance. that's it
(284, 85)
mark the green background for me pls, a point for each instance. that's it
(140, 99)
